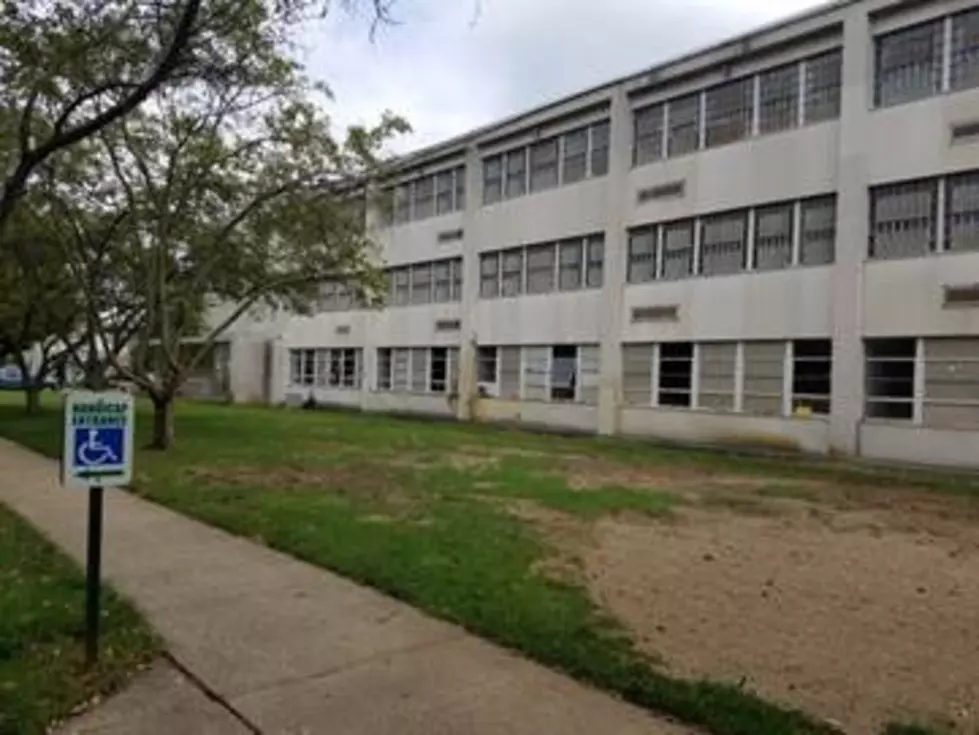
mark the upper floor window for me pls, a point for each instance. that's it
(728, 112)
(823, 81)
(817, 237)
(437, 281)
(648, 131)
(779, 99)
(723, 243)
(962, 212)
(492, 179)
(568, 265)
(574, 164)
(684, 125)
(544, 165)
(678, 250)
(600, 138)
(429, 195)
(965, 50)
(903, 219)
(773, 237)
(909, 63)
(516, 173)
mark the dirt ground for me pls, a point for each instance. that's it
(859, 605)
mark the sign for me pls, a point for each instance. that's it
(98, 450)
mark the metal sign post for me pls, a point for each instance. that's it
(98, 453)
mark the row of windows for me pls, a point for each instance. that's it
(562, 159)
(915, 218)
(567, 265)
(762, 238)
(941, 55)
(932, 382)
(418, 369)
(779, 99)
(435, 282)
(771, 378)
(428, 196)
(336, 296)
(557, 373)
(325, 368)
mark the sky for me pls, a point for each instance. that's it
(449, 66)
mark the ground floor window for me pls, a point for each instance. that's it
(890, 377)
(418, 369)
(676, 374)
(325, 367)
(812, 376)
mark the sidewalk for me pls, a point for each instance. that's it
(290, 649)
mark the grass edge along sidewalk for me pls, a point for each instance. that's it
(43, 679)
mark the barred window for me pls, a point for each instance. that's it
(384, 368)
(648, 135)
(909, 64)
(574, 165)
(492, 179)
(951, 397)
(421, 283)
(684, 125)
(773, 237)
(512, 279)
(595, 275)
(962, 212)
(812, 376)
(642, 255)
(402, 203)
(489, 275)
(824, 78)
(544, 165)
(637, 375)
(678, 245)
(764, 366)
(600, 133)
(779, 103)
(402, 290)
(540, 268)
(902, 219)
(722, 245)
(890, 378)
(455, 293)
(675, 374)
(965, 50)
(443, 281)
(516, 173)
(729, 111)
(424, 197)
(570, 260)
(460, 187)
(818, 231)
(717, 361)
(443, 192)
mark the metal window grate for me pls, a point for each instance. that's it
(678, 246)
(595, 275)
(823, 85)
(729, 110)
(818, 231)
(492, 179)
(648, 135)
(962, 212)
(964, 71)
(773, 237)
(723, 243)
(516, 173)
(574, 164)
(779, 99)
(903, 219)
(909, 64)
(684, 125)
(642, 255)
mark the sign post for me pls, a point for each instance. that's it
(98, 453)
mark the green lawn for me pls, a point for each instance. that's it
(42, 673)
(425, 512)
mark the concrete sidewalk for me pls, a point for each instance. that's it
(290, 648)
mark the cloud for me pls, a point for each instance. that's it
(448, 68)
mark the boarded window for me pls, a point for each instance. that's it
(729, 109)
(812, 375)
(723, 243)
(570, 265)
(544, 165)
(890, 378)
(642, 255)
(764, 368)
(678, 245)
(489, 275)
(773, 237)
(823, 82)
(684, 125)
(540, 268)
(962, 212)
(648, 135)
(574, 165)
(909, 64)
(903, 219)
(817, 244)
(536, 362)
(516, 173)
(512, 279)
(637, 375)
(779, 103)
(951, 397)
(675, 374)
(717, 364)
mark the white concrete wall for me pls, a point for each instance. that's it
(917, 444)
(552, 415)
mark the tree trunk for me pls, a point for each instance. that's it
(32, 399)
(162, 423)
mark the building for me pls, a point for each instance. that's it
(773, 242)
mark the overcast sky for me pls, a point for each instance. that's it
(452, 65)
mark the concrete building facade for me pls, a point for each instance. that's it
(772, 242)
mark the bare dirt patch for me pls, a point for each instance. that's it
(861, 617)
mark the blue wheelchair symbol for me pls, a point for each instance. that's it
(99, 447)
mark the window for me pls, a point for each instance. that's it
(544, 165)
(823, 82)
(516, 173)
(962, 212)
(402, 203)
(460, 184)
(648, 135)
(642, 255)
(574, 165)
(400, 376)
(764, 367)
(570, 265)
(890, 378)
(327, 300)
(684, 125)
(443, 192)
(510, 373)
(351, 369)
(902, 219)
(564, 373)
(419, 370)
(295, 367)
(909, 64)
(421, 283)
(722, 246)
(455, 293)
(678, 244)
(599, 148)
(486, 364)
(336, 368)
(951, 396)
(492, 179)
(965, 50)
(402, 291)
(424, 197)
(439, 380)
(596, 261)
(812, 371)
(675, 373)
(716, 364)
(384, 368)
(489, 275)
(729, 111)
(309, 367)
(773, 237)
(818, 231)
(536, 373)
(512, 277)
(637, 375)
(540, 268)
(442, 272)
(779, 103)
(589, 374)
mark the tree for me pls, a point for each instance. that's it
(231, 191)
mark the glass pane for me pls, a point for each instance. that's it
(729, 112)
(779, 104)
(909, 64)
(684, 125)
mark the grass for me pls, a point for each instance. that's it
(421, 510)
(42, 673)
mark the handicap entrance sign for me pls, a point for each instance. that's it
(98, 450)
